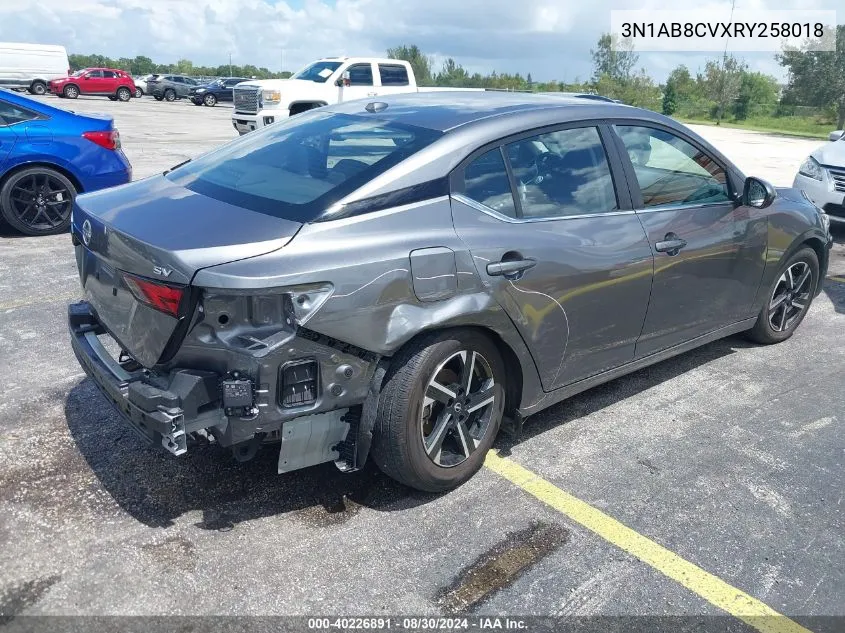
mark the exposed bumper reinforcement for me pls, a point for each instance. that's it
(162, 413)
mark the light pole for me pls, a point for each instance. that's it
(230, 64)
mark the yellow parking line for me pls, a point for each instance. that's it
(713, 589)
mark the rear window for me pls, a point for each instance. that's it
(298, 168)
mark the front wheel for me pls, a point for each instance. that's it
(439, 410)
(789, 300)
(71, 91)
(210, 100)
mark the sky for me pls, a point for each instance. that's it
(551, 39)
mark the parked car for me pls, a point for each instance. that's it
(47, 157)
(822, 177)
(404, 276)
(170, 87)
(31, 66)
(218, 90)
(113, 83)
(141, 85)
(260, 102)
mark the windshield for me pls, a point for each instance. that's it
(79, 73)
(318, 71)
(296, 169)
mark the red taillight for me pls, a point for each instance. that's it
(109, 139)
(156, 295)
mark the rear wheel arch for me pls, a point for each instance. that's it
(513, 394)
(59, 168)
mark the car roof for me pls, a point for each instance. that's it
(447, 110)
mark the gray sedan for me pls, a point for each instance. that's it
(822, 177)
(400, 279)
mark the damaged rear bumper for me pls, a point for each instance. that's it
(163, 413)
(166, 408)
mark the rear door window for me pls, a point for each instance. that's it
(297, 168)
(393, 75)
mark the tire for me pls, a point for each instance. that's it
(170, 95)
(38, 87)
(138, 92)
(123, 94)
(404, 436)
(791, 295)
(52, 215)
(71, 91)
(209, 100)
(158, 97)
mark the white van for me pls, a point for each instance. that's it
(31, 66)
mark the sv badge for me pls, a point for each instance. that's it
(164, 271)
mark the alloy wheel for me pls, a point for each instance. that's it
(791, 296)
(138, 93)
(210, 100)
(41, 201)
(457, 408)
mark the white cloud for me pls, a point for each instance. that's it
(551, 39)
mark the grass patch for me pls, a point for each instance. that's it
(787, 125)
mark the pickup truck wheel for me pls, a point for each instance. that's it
(170, 95)
(37, 201)
(71, 91)
(210, 100)
(38, 87)
(439, 410)
(123, 94)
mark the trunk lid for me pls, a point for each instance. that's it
(165, 233)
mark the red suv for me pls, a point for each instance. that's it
(117, 85)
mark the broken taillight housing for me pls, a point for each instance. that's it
(163, 297)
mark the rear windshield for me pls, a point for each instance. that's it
(298, 168)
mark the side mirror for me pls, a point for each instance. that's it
(757, 193)
(344, 79)
(836, 135)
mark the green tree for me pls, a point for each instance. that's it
(722, 82)
(613, 57)
(817, 78)
(452, 74)
(419, 62)
(755, 89)
(670, 99)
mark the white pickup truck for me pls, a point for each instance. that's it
(324, 82)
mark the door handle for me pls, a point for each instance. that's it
(671, 244)
(510, 268)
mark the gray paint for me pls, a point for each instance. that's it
(600, 301)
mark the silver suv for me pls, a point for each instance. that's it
(170, 87)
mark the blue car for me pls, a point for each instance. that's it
(47, 157)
